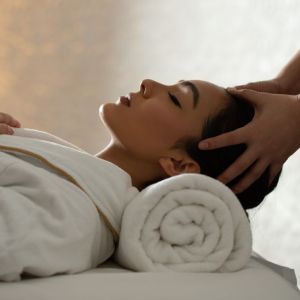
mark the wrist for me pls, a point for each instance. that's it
(283, 83)
(287, 84)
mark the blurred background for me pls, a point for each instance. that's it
(60, 59)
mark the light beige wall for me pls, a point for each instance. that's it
(59, 59)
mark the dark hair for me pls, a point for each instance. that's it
(237, 113)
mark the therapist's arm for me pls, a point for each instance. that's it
(286, 82)
(290, 76)
(7, 122)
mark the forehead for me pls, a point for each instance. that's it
(211, 97)
(209, 89)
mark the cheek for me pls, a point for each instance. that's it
(162, 125)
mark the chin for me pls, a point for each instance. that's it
(101, 110)
(104, 112)
(107, 116)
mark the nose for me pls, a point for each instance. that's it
(148, 87)
(145, 88)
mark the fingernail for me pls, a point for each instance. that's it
(203, 145)
(10, 131)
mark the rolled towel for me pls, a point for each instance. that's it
(186, 223)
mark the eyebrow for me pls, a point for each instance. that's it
(194, 90)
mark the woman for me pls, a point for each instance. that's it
(155, 132)
(52, 195)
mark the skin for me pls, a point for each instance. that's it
(143, 135)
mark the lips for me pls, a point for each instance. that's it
(125, 100)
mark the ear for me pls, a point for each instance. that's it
(179, 164)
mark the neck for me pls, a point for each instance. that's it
(141, 172)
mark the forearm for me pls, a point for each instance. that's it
(289, 76)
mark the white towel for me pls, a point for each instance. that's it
(188, 223)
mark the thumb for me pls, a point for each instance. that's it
(268, 86)
(251, 96)
(256, 86)
(244, 86)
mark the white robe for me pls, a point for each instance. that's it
(60, 207)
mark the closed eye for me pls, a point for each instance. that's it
(174, 100)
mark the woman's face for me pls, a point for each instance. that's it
(159, 115)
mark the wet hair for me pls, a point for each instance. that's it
(237, 113)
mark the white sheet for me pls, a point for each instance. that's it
(256, 281)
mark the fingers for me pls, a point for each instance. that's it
(239, 135)
(251, 176)
(5, 129)
(9, 120)
(226, 139)
(251, 96)
(238, 167)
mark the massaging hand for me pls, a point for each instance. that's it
(271, 137)
(6, 122)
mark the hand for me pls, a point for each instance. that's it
(6, 122)
(271, 137)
